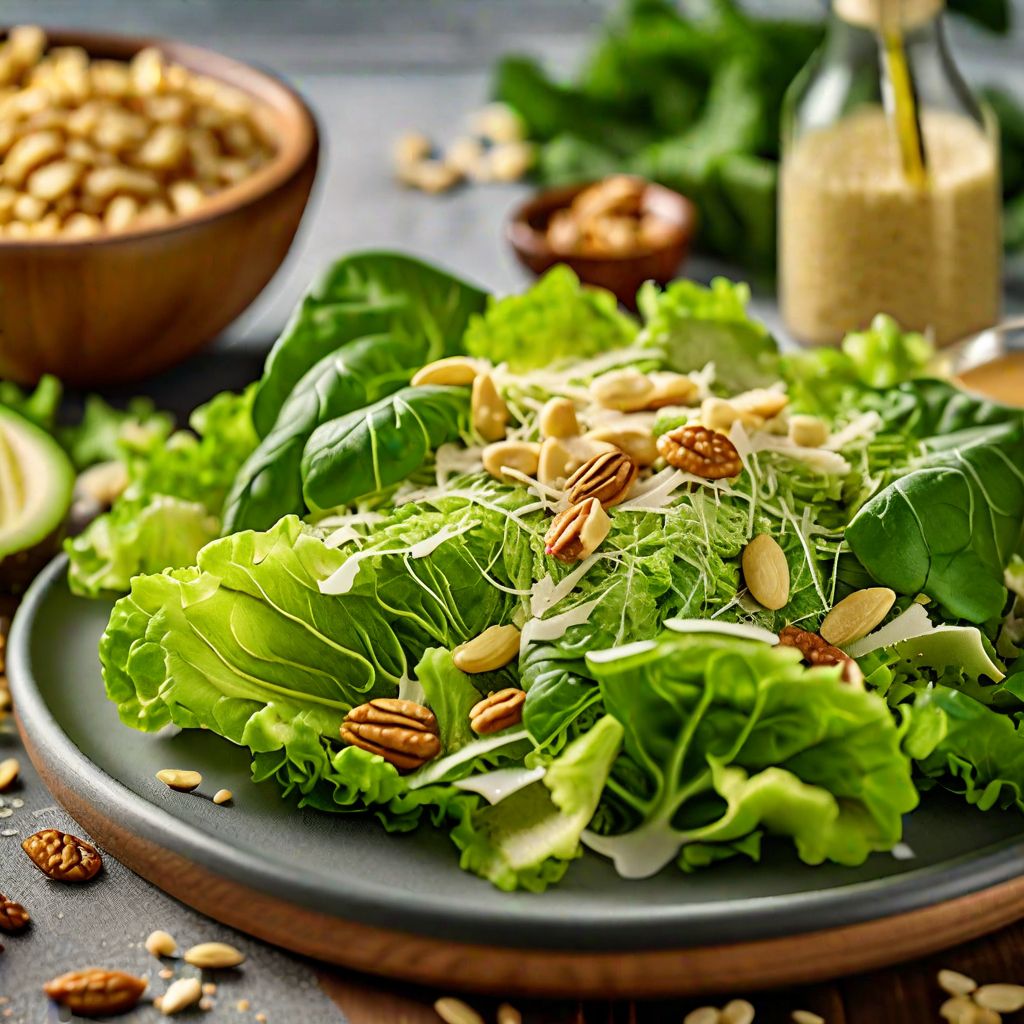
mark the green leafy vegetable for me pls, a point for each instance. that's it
(553, 321)
(884, 356)
(528, 839)
(368, 450)
(103, 432)
(368, 293)
(728, 736)
(38, 406)
(269, 483)
(693, 325)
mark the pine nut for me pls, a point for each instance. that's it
(1004, 998)
(180, 995)
(703, 1015)
(9, 769)
(806, 1017)
(222, 796)
(627, 390)
(160, 943)
(453, 371)
(955, 983)
(523, 456)
(51, 181)
(509, 1015)
(738, 1011)
(558, 418)
(489, 412)
(494, 648)
(718, 414)
(182, 781)
(214, 955)
(455, 1011)
(638, 442)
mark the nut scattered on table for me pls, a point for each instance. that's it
(701, 452)
(497, 711)
(96, 991)
(455, 1011)
(160, 943)
(91, 146)
(179, 779)
(13, 916)
(9, 769)
(508, 1014)
(180, 995)
(403, 732)
(222, 796)
(213, 955)
(62, 856)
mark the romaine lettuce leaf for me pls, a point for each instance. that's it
(693, 325)
(554, 320)
(728, 737)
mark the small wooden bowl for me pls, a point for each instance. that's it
(621, 275)
(112, 308)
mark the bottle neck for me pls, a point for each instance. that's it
(888, 15)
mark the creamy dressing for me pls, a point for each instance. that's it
(495, 786)
(1001, 379)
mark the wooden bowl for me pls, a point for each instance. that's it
(113, 308)
(621, 275)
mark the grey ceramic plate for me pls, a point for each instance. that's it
(349, 867)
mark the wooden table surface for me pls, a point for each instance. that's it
(371, 71)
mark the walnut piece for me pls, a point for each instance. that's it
(817, 651)
(607, 477)
(577, 532)
(13, 916)
(62, 856)
(701, 452)
(497, 711)
(402, 732)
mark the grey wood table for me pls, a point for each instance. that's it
(371, 69)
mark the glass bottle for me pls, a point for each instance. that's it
(889, 193)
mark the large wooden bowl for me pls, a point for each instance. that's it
(118, 307)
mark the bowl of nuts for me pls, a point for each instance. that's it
(149, 190)
(615, 233)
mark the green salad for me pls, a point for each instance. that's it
(554, 579)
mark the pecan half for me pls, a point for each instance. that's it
(13, 916)
(401, 731)
(817, 651)
(62, 856)
(497, 711)
(577, 532)
(606, 477)
(702, 452)
(96, 992)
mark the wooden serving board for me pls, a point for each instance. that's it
(341, 890)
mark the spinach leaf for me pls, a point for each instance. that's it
(269, 483)
(371, 449)
(949, 526)
(364, 294)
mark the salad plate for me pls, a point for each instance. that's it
(703, 661)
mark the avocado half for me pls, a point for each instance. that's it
(36, 483)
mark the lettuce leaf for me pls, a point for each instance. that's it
(693, 325)
(176, 487)
(528, 839)
(104, 433)
(726, 737)
(884, 355)
(554, 320)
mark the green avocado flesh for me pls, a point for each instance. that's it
(36, 481)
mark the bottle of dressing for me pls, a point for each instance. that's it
(889, 193)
